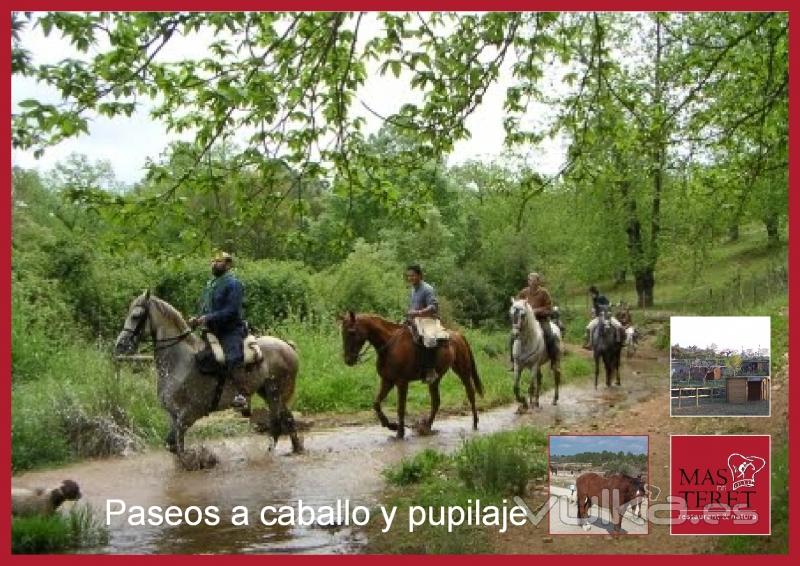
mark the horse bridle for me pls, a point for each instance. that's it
(516, 318)
(364, 350)
(137, 330)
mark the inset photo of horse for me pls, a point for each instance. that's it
(719, 366)
(599, 483)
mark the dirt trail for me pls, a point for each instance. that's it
(346, 463)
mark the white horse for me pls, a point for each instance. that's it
(529, 351)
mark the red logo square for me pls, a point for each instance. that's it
(720, 484)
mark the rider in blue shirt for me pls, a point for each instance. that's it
(222, 314)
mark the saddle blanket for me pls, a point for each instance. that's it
(252, 353)
(430, 331)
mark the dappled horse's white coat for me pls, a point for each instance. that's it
(529, 351)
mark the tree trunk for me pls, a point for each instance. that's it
(773, 235)
(733, 232)
(645, 283)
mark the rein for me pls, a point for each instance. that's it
(174, 340)
(365, 349)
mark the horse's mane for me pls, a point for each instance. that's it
(389, 323)
(169, 312)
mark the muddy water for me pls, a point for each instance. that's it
(342, 463)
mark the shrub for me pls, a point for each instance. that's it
(274, 290)
(415, 469)
(369, 280)
(80, 528)
(502, 463)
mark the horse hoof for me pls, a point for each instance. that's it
(522, 409)
(423, 428)
(555, 401)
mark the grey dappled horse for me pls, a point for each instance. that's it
(529, 351)
(186, 393)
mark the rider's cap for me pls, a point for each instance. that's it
(533, 275)
(223, 256)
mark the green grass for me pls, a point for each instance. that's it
(77, 395)
(489, 468)
(80, 528)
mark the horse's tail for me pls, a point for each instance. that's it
(476, 379)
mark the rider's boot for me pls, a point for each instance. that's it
(587, 345)
(429, 374)
(240, 382)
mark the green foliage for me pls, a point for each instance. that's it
(68, 403)
(368, 280)
(418, 468)
(274, 290)
(624, 462)
(81, 528)
(502, 463)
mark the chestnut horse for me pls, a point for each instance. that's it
(398, 363)
(613, 492)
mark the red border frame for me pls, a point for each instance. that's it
(649, 477)
(563, 5)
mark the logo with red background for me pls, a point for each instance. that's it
(720, 485)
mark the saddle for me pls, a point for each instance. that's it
(428, 332)
(211, 359)
(252, 353)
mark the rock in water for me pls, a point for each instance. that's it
(199, 458)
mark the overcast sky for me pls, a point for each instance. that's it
(726, 332)
(128, 142)
(570, 445)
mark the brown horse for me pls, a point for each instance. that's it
(613, 492)
(398, 363)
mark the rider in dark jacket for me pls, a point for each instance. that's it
(600, 302)
(222, 314)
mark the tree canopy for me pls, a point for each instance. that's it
(677, 126)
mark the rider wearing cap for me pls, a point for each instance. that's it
(221, 312)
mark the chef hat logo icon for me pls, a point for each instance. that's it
(744, 469)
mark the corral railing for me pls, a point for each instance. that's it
(684, 393)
